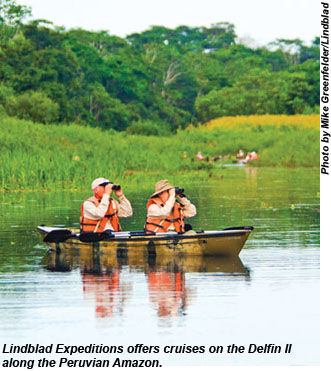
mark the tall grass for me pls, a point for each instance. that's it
(35, 156)
(234, 122)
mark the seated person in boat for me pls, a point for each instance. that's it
(251, 156)
(164, 212)
(101, 212)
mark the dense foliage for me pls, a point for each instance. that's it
(160, 77)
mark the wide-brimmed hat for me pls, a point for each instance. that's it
(99, 181)
(161, 186)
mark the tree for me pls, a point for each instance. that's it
(161, 76)
(261, 92)
(185, 38)
(13, 14)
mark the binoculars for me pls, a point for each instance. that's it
(179, 191)
(116, 187)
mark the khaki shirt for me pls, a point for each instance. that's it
(159, 212)
(97, 212)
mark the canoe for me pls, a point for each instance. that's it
(226, 242)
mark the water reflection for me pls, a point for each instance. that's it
(168, 293)
(251, 173)
(108, 292)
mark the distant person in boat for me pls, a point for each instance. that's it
(101, 212)
(199, 156)
(164, 212)
(240, 155)
(251, 156)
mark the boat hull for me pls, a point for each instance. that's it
(209, 243)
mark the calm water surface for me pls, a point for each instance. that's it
(270, 294)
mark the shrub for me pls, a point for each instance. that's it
(149, 128)
(34, 106)
(2, 111)
(5, 92)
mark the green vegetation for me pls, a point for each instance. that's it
(151, 82)
(52, 156)
(75, 104)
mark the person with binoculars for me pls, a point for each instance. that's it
(164, 212)
(101, 212)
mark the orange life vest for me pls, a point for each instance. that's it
(90, 225)
(162, 225)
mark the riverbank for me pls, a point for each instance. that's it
(57, 156)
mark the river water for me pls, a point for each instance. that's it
(269, 295)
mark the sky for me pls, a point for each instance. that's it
(256, 21)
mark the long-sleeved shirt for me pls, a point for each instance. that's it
(161, 212)
(97, 212)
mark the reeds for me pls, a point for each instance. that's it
(35, 156)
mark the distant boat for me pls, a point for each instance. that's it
(231, 165)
